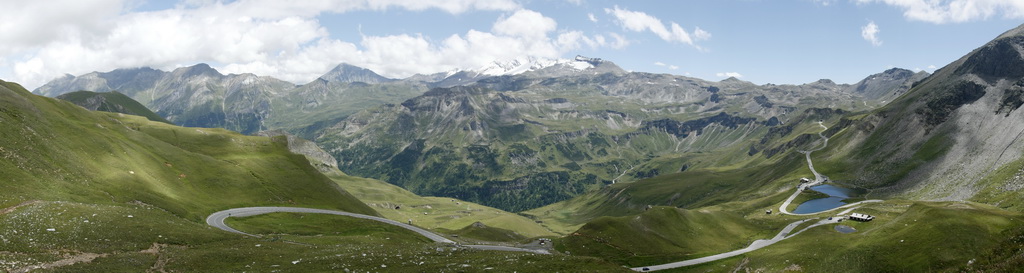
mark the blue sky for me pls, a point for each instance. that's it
(796, 41)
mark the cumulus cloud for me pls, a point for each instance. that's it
(283, 39)
(729, 74)
(870, 33)
(30, 23)
(669, 66)
(525, 23)
(591, 17)
(639, 22)
(954, 11)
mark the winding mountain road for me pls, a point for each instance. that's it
(785, 233)
(217, 220)
(758, 244)
(818, 180)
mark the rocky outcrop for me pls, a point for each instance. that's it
(317, 157)
(949, 135)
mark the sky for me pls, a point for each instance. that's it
(762, 41)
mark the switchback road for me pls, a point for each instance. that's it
(217, 220)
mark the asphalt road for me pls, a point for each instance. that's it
(217, 220)
(758, 244)
(818, 179)
(786, 232)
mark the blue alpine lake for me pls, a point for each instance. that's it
(835, 199)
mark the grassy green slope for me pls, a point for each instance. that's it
(663, 234)
(435, 212)
(905, 237)
(55, 151)
(85, 191)
(748, 186)
(77, 237)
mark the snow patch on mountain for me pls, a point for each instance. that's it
(521, 65)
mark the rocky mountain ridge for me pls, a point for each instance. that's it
(501, 141)
(955, 135)
(509, 141)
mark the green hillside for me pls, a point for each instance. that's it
(626, 176)
(111, 102)
(437, 213)
(906, 236)
(56, 151)
(86, 191)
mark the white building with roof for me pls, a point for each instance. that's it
(861, 217)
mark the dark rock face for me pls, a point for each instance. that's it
(685, 128)
(763, 101)
(1013, 98)
(939, 107)
(1000, 59)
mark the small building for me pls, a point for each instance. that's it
(805, 180)
(861, 217)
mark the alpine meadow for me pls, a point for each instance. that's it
(512, 136)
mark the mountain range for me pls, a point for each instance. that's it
(502, 135)
(622, 168)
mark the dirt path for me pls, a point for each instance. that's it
(77, 258)
(10, 209)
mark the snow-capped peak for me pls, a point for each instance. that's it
(520, 65)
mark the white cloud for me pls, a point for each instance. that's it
(525, 23)
(824, 2)
(575, 2)
(931, 67)
(640, 21)
(283, 39)
(669, 66)
(955, 11)
(592, 17)
(870, 33)
(700, 34)
(729, 74)
(27, 24)
(620, 41)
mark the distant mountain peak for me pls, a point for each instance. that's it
(886, 85)
(200, 69)
(825, 81)
(349, 73)
(895, 70)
